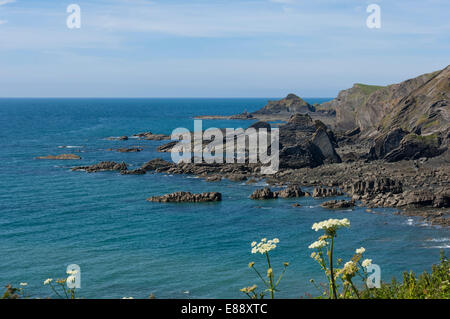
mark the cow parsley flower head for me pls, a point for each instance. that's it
(264, 246)
(318, 244)
(366, 262)
(331, 225)
(360, 250)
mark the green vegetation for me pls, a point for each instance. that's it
(368, 89)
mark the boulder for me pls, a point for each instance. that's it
(264, 193)
(187, 197)
(292, 191)
(120, 138)
(323, 142)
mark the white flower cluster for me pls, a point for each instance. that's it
(48, 281)
(331, 224)
(366, 263)
(318, 244)
(360, 250)
(264, 245)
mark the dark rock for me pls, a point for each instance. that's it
(167, 147)
(323, 142)
(102, 166)
(264, 193)
(290, 192)
(155, 164)
(290, 104)
(138, 171)
(187, 197)
(375, 186)
(127, 150)
(414, 147)
(326, 192)
(338, 204)
(386, 143)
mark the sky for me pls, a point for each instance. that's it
(216, 48)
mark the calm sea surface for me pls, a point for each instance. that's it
(51, 217)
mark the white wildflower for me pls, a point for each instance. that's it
(265, 246)
(23, 284)
(331, 224)
(48, 281)
(360, 250)
(366, 263)
(318, 244)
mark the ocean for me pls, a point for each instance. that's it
(51, 217)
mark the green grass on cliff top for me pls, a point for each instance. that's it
(368, 89)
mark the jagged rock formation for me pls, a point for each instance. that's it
(187, 197)
(292, 191)
(326, 192)
(419, 105)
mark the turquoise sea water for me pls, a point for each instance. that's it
(51, 217)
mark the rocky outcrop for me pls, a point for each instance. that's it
(101, 167)
(155, 164)
(262, 194)
(387, 143)
(322, 140)
(371, 187)
(414, 147)
(187, 197)
(290, 104)
(420, 105)
(60, 157)
(326, 192)
(152, 137)
(138, 171)
(338, 204)
(126, 150)
(292, 191)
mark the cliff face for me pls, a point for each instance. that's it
(419, 104)
(289, 105)
(425, 110)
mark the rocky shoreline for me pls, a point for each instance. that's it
(399, 160)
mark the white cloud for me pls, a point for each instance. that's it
(3, 2)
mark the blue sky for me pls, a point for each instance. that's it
(216, 48)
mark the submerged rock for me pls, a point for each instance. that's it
(138, 171)
(60, 157)
(187, 197)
